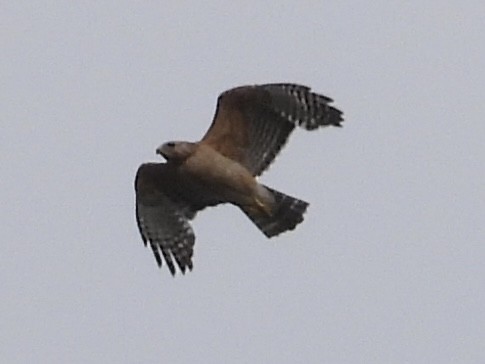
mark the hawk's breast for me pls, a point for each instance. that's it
(222, 176)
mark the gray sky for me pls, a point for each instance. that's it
(388, 266)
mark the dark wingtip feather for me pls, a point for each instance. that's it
(300, 106)
(172, 269)
(168, 260)
(158, 258)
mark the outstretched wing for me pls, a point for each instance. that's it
(164, 206)
(253, 123)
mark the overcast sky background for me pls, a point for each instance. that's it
(388, 266)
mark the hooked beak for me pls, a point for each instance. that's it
(159, 151)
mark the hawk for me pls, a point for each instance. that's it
(251, 125)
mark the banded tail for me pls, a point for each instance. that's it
(287, 213)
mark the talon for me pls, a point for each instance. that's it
(262, 207)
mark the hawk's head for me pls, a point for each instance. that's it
(176, 151)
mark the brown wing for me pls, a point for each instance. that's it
(253, 123)
(164, 206)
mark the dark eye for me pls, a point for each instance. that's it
(170, 144)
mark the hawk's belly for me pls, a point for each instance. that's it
(224, 178)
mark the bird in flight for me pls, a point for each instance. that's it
(250, 127)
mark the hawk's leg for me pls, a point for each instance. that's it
(262, 207)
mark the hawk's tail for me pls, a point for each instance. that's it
(287, 212)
